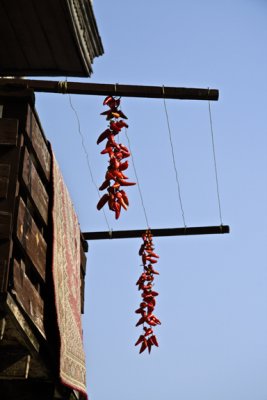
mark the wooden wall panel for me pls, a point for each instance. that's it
(35, 187)
(31, 239)
(4, 180)
(8, 131)
(36, 137)
(28, 297)
(5, 225)
(5, 254)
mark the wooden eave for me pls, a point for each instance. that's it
(48, 38)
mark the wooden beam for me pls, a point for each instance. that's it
(103, 89)
(203, 230)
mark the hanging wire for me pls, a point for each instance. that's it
(215, 164)
(173, 159)
(137, 180)
(87, 157)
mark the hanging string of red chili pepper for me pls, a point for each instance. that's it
(148, 303)
(114, 178)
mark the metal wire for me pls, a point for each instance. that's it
(137, 180)
(173, 159)
(87, 157)
(215, 165)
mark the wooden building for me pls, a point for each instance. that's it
(44, 38)
(28, 344)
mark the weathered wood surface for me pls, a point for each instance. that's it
(14, 363)
(28, 297)
(4, 180)
(12, 342)
(23, 332)
(10, 164)
(35, 187)
(38, 142)
(31, 239)
(103, 89)
(5, 225)
(5, 255)
(8, 131)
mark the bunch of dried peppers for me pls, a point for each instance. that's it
(114, 178)
(147, 305)
(117, 198)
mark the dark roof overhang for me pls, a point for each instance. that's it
(48, 38)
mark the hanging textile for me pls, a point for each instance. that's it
(66, 280)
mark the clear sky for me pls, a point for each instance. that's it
(213, 289)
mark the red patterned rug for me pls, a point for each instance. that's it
(66, 277)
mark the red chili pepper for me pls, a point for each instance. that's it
(108, 150)
(140, 311)
(140, 340)
(104, 199)
(152, 260)
(124, 148)
(143, 304)
(111, 102)
(104, 185)
(143, 347)
(103, 136)
(119, 174)
(152, 302)
(122, 115)
(111, 202)
(149, 345)
(125, 198)
(152, 270)
(150, 309)
(117, 207)
(121, 201)
(154, 340)
(152, 254)
(114, 163)
(123, 165)
(126, 183)
(124, 154)
(114, 127)
(108, 100)
(116, 185)
(109, 176)
(108, 113)
(141, 320)
(122, 124)
(149, 331)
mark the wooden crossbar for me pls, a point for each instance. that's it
(186, 231)
(103, 89)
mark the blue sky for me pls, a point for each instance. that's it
(213, 289)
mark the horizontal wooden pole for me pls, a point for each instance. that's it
(103, 89)
(202, 230)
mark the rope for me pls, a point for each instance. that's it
(215, 165)
(62, 86)
(87, 157)
(137, 180)
(173, 159)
